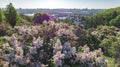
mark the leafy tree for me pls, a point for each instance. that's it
(1, 19)
(115, 22)
(102, 18)
(92, 41)
(107, 44)
(11, 15)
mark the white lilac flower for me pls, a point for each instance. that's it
(34, 30)
(59, 55)
(12, 39)
(6, 64)
(58, 62)
(7, 57)
(99, 52)
(19, 59)
(42, 65)
(57, 59)
(83, 57)
(5, 46)
(58, 46)
(7, 38)
(19, 51)
(92, 55)
(37, 42)
(100, 60)
(86, 49)
(32, 50)
(26, 60)
(40, 41)
(52, 23)
(15, 44)
(74, 50)
(34, 42)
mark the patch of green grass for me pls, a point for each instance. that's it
(110, 61)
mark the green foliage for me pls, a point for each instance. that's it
(116, 51)
(27, 18)
(102, 18)
(110, 62)
(68, 21)
(111, 48)
(110, 41)
(1, 18)
(4, 28)
(107, 46)
(2, 41)
(92, 41)
(22, 21)
(115, 22)
(11, 15)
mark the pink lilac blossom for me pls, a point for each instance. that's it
(57, 59)
(58, 46)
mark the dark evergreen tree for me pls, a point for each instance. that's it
(11, 15)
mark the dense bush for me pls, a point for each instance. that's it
(4, 28)
(107, 45)
(110, 41)
(116, 50)
(115, 22)
(105, 32)
(40, 17)
(47, 45)
(107, 35)
(22, 21)
(80, 32)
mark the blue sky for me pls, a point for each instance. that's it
(61, 3)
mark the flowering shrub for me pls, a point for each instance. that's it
(4, 28)
(40, 17)
(47, 45)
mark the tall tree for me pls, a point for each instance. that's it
(1, 15)
(11, 15)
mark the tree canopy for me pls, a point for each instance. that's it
(11, 15)
(103, 18)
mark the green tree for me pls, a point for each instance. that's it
(115, 22)
(11, 15)
(1, 19)
(102, 18)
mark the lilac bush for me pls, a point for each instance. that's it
(47, 45)
(40, 17)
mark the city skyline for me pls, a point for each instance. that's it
(53, 4)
